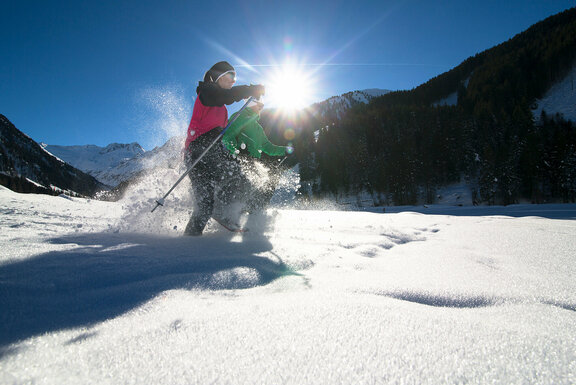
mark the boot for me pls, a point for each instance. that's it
(192, 228)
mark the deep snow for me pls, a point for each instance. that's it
(108, 293)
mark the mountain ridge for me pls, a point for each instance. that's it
(26, 166)
(102, 163)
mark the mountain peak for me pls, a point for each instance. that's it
(335, 107)
(130, 147)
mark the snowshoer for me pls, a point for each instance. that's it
(246, 139)
(209, 116)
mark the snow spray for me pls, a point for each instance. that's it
(162, 120)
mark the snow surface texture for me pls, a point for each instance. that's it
(559, 99)
(108, 293)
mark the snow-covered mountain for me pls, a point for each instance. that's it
(26, 167)
(117, 163)
(110, 164)
(335, 107)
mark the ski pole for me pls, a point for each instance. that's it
(160, 202)
(282, 161)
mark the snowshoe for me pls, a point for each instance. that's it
(230, 225)
(229, 216)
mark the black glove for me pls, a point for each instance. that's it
(257, 90)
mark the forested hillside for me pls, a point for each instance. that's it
(26, 167)
(405, 145)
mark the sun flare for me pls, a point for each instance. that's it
(289, 88)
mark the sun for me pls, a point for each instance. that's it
(289, 87)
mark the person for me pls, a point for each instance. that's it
(209, 118)
(246, 139)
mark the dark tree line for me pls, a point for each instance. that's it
(403, 147)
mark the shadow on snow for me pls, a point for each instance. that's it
(462, 302)
(102, 276)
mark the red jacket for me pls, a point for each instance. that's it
(205, 119)
(209, 108)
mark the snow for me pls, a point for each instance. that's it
(364, 96)
(559, 99)
(338, 105)
(107, 164)
(98, 292)
(34, 182)
(118, 163)
(450, 100)
(375, 92)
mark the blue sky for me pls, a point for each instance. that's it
(96, 72)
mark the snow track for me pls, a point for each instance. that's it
(87, 296)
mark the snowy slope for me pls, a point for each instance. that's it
(559, 99)
(450, 100)
(107, 293)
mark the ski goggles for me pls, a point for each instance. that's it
(230, 74)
